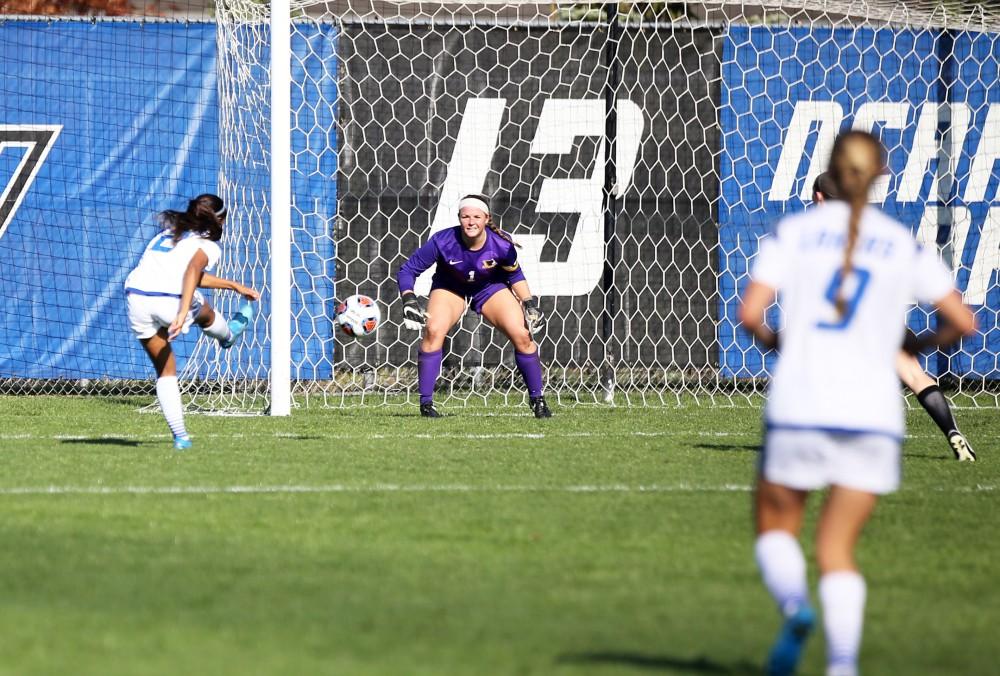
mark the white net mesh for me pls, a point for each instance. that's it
(104, 123)
(719, 117)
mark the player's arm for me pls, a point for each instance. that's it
(414, 315)
(515, 275)
(932, 282)
(419, 262)
(192, 277)
(210, 281)
(521, 290)
(766, 277)
(753, 312)
(533, 316)
(955, 320)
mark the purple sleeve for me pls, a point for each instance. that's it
(419, 261)
(510, 265)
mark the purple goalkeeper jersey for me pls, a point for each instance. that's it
(460, 269)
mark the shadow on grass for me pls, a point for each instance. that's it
(667, 663)
(729, 447)
(929, 456)
(103, 441)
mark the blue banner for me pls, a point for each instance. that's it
(135, 111)
(104, 125)
(933, 97)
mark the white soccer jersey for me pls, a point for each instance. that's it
(838, 373)
(160, 271)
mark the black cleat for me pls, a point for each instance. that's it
(961, 448)
(428, 411)
(539, 407)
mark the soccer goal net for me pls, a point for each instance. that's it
(636, 152)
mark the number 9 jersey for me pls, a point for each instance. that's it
(836, 371)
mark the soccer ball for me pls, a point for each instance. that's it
(358, 315)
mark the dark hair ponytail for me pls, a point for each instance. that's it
(489, 220)
(204, 217)
(853, 175)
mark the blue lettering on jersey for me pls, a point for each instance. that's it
(872, 246)
(161, 243)
(850, 302)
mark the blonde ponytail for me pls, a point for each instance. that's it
(856, 161)
(853, 227)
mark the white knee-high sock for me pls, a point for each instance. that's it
(842, 594)
(783, 568)
(169, 396)
(218, 329)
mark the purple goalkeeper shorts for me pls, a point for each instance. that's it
(477, 299)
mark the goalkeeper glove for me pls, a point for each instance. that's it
(414, 316)
(534, 319)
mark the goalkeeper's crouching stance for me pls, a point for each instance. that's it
(477, 263)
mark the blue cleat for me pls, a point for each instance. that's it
(787, 650)
(182, 443)
(238, 324)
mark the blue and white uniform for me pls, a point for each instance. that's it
(154, 286)
(835, 413)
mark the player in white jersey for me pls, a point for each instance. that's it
(908, 368)
(845, 273)
(163, 299)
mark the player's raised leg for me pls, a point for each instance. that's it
(214, 325)
(934, 402)
(504, 311)
(168, 393)
(842, 589)
(779, 514)
(444, 308)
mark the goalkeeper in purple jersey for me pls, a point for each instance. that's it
(477, 264)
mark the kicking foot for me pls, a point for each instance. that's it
(539, 407)
(238, 324)
(182, 443)
(961, 448)
(428, 411)
(787, 650)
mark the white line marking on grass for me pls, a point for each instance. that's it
(368, 488)
(754, 435)
(377, 436)
(413, 488)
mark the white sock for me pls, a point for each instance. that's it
(169, 395)
(842, 594)
(219, 328)
(783, 568)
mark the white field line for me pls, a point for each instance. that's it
(411, 488)
(338, 436)
(440, 435)
(368, 488)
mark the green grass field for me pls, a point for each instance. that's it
(603, 541)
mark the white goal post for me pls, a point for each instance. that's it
(280, 381)
(636, 151)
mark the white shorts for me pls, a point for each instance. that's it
(148, 314)
(810, 460)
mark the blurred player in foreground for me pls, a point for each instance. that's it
(163, 300)
(908, 367)
(834, 415)
(477, 263)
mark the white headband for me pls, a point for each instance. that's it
(475, 203)
(221, 212)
